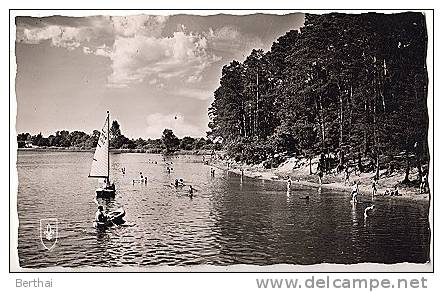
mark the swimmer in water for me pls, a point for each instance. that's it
(367, 210)
(191, 191)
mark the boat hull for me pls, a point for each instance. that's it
(105, 192)
(115, 218)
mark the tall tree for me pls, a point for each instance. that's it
(170, 141)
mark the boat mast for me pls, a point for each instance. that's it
(108, 146)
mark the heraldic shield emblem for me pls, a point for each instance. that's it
(48, 232)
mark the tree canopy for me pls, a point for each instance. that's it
(81, 140)
(345, 86)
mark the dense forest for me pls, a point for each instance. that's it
(169, 142)
(350, 89)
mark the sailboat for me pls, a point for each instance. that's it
(100, 163)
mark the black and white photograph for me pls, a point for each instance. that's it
(158, 140)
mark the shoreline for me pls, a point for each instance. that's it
(119, 151)
(331, 182)
(298, 174)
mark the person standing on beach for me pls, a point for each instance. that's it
(423, 184)
(320, 176)
(347, 175)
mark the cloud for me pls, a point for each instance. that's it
(66, 37)
(156, 123)
(229, 40)
(135, 46)
(225, 33)
(180, 56)
(87, 31)
(147, 25)
(87, 50)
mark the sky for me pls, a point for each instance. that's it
(151, 72)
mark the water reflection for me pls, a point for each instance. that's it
(230, 220)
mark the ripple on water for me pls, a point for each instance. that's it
(225, 223)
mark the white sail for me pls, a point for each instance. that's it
(99, 166)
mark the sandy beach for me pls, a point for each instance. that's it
(298, 171)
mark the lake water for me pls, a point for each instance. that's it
(226, 222)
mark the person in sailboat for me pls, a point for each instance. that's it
(106, 184)
(100, 216)
(100, 163)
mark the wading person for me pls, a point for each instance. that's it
(100, 216)
(374, 187)
(354, 192)
(288, 184)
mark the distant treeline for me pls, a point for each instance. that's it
(81, 140)
(346, 87)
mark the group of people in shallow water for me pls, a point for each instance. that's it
(142, 179)
(179, 183)
(374, 184)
